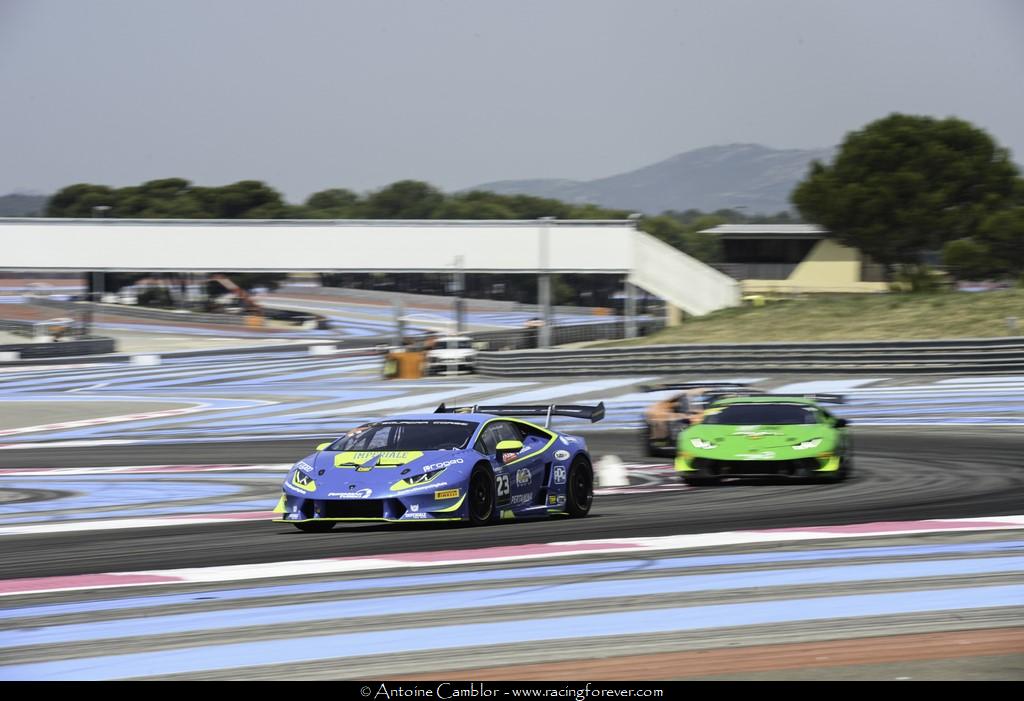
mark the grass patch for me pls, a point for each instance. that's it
(874, 317)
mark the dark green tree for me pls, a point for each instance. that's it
(336, 203)
(406, 199)
(906, 184)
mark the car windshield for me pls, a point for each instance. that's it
(462, 343)
(755, 414)
(441, 434)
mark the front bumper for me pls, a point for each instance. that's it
(298, 509)
(689, 465)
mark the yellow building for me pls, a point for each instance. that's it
(794, 258)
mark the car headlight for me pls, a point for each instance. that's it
(701, 443)
(424, 478)
(807, 445)
(303, 481)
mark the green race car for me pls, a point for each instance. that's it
(766, 436)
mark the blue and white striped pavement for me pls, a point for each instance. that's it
(296, 394)
(383, 616)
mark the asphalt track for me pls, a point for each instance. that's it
(899, 475)
(936, 605)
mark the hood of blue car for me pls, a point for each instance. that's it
(376, 474)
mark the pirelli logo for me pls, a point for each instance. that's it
(446, 494)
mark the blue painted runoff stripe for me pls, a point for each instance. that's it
(410, 582)
(665, 620)
(484, 599)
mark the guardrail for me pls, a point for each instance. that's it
(989, 355)
(522, 339)
(84, 346)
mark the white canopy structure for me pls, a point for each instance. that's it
(537, 246)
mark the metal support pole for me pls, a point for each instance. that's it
(544, 284)
(399, 312)
(459, 286)
(630, 310)
(544, 300)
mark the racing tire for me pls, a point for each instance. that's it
(701, 481)
(645, 436)
(579, 488)
(481, 500)
(315, 526)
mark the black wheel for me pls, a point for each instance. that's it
(701, 481)
(481, 496)
(645, 436)
(579, 488)
(315, 526)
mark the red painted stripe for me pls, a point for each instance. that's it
(889, 526)
(498, 553)
(38, 584)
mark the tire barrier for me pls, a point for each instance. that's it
(989, 355)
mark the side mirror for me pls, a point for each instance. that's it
(509, 447)
(841, 423)
(324, 446)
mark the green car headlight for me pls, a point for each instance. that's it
(807, 445)
(701, 443)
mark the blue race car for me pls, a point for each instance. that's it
(480, 464)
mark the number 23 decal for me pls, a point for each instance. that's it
(503, 488)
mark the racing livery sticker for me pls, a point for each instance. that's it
(523, 477)
(561, 455)
(446, 494)
(559, 474)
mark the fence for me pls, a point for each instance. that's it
(943, 356)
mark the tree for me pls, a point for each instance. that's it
(906, 184)
(336, 203)
(406, 199)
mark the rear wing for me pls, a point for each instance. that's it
(578, 411)
(691, 385)
(821, 398)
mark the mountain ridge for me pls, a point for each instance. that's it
(753, 177)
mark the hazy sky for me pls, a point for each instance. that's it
(312, 94)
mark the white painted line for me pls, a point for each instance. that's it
(518, 553)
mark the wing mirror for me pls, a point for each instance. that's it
(841, 423)
(510, 446)
(324, 446)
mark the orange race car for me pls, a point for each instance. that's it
(664, 419)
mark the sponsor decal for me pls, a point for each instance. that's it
(416, 514)
(561, 455)
(560, 499)
(565, 441)
(442, 465)
(552, 499)
(521, 499)
(295, 489)
(763, 455)
(559, 474)
(359, 494)
(523, 477)
(414, 507)
(507, 515)
(304, 466)
(373, 458)
(446, 494)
